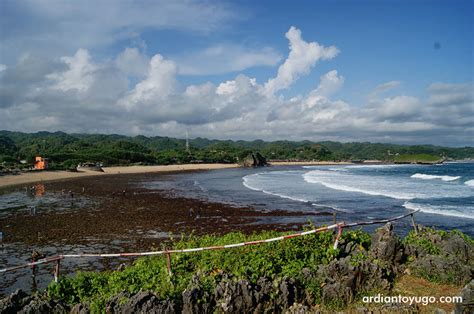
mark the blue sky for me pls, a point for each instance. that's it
(388, 71)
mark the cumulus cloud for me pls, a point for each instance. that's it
(77, 93)
(132, 62)
(399, 107)
(303, 56)
(159, 83)
(330, 83)
(79, 75)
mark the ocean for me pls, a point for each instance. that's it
(443, 193)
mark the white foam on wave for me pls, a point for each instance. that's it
(377, 166)
(341, 183)
(469, 183)
(339, 169)
(445, 210)
(338, 209)
(423, 176)
(247, 184)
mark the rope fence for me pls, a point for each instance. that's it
(339, 226)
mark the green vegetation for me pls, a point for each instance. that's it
(293, 258)
(67, 150)
(439, 265)
(424, 240)
(418, 158)
(272, 260)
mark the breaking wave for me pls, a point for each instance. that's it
(434, 177)
(445, 210)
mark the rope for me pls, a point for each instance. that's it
(340, 226)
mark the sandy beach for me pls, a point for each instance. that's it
(47, 176)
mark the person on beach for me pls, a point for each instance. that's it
(191, 212)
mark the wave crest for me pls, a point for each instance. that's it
(423, 176)
(445, 210)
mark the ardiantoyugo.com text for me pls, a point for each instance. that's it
(424, 300)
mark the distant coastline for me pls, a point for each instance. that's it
(48, 176)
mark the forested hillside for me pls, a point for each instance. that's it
(67, 150)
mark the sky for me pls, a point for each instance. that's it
(380, 71)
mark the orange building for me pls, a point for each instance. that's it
(41, 163)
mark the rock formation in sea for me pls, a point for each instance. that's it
(254, 160)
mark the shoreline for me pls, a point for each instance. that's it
(51, 176)
(57, 175)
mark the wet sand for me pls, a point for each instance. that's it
(124, 217)
(47, 176)
(123, 208)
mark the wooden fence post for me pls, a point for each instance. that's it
(56, 270)
(339, 233)
(414, 224)
(168, 263)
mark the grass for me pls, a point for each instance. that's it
(409, 285)
(418, 158)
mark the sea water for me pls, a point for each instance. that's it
(444, 193)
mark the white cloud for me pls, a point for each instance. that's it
(99, 95)
(79, 76)
(225, 58)
(303, 56)
(52, 27)
(386, 86)
(398, 107)
(3, 67)
(159, 83)
(132, 62)
(329, 83)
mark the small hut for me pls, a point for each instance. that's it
(41, 163)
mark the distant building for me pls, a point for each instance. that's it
(41, 163)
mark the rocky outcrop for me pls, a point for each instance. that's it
(467, 305)
(20, 302)
(254, 160)
(356, 270)
(441, 256)
(361, 270)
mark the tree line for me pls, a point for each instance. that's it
(67, 150)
